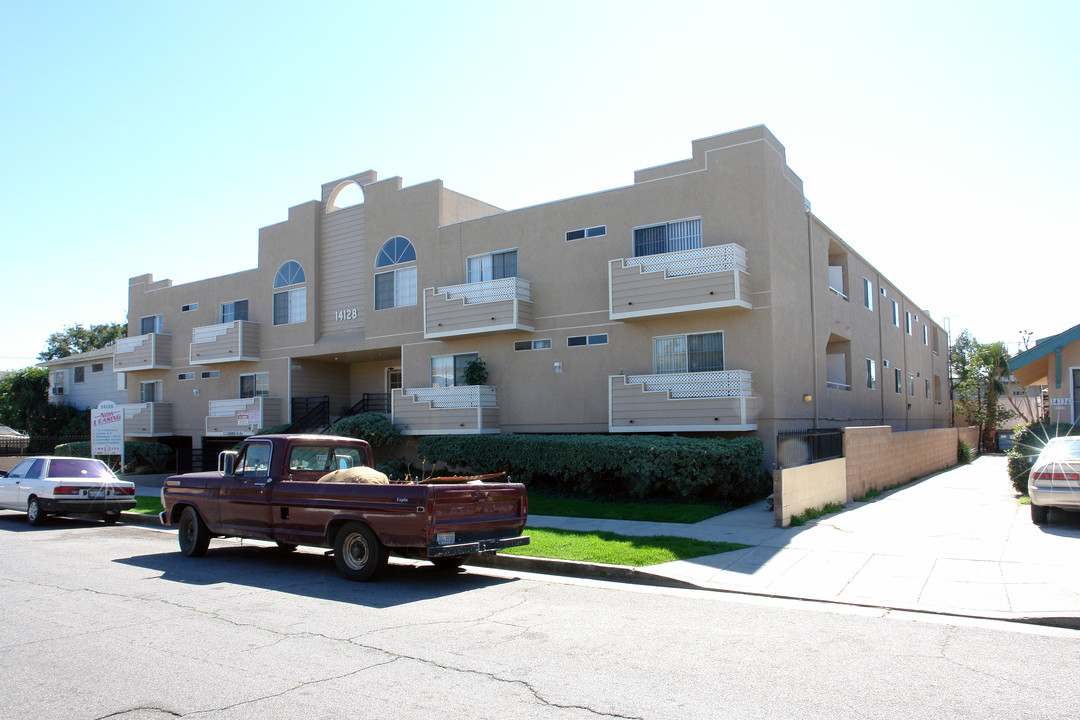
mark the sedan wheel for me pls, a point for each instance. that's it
(34, 514)
(110, 518)
(1040, 514)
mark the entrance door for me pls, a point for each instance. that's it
(393, 379)
(1076, 394)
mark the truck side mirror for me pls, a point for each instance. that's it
(227, 462)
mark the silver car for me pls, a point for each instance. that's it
(45, 485)
(1054, 480)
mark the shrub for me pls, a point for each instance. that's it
(273, 429)
(370, 426)
(140, 458)
(611, 466)
(964, 453)
(1028, 441)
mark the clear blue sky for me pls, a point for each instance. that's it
(939, 139)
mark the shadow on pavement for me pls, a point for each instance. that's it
(311, 573)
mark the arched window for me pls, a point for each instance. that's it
(290, 306)
(395, 251)
(395, 288)
(288, 274)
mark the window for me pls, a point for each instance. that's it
(395, 288)
(78, 375)
(907, 322)
(449, 370)
(532, 345)
(899, 375)
(667, 237)
(868, 294)
(582, 340)
(911, 384)
(895, 314)
(150, 391)
(321, 459)
(209, 374)
(235, 310)
(871, 374)
(395, 251)
(927, 381)
(700, 352)
(837, 366)
(596, 231)
(97, 367)
(290, 306)
(255, 385)
(189, 307)
(185, 376)
(492, 266)
(150, 324)
(255, 460)
(121, 381)
(925, 335)
(58, 382)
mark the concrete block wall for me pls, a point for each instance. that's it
(798, 489)
(878, 458)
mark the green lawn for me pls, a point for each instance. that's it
(612, 549)
(652, 512)
(146, 505)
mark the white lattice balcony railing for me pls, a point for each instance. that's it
(459, 396)
(716, 258)
(513, 288)
(723, 383)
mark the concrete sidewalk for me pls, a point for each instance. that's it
(955, 543)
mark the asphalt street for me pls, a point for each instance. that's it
(103, 621)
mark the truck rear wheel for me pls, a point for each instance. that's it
(358, 554)
(193, 534)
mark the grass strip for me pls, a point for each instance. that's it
(649, 512)
(815, 513)
(612, 549)
(146, 505)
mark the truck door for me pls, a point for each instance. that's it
(244, 499)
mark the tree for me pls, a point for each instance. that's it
(76, 339)
(980, 372)
(24, 405)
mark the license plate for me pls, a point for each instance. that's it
(445, 538)
(95, 494)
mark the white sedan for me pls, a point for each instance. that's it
(45, 485)
(1054, 480)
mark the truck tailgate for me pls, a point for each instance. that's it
(471, 513)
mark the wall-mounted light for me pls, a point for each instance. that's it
(195, 391)
(558, 366)
(807, 397)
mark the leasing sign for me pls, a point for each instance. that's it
(107, 429)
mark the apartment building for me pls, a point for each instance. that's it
(705, 298)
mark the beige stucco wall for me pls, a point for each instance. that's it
(798, 489)
(878, 458)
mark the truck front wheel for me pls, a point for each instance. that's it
(193, 533)
(357, 552)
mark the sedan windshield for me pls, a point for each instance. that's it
(79, 468)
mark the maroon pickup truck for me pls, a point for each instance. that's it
(270, 490)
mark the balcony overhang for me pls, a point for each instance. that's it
(478, 308)
(460, 410)
(152, 351)
(236, 341)
(682, 402)
(677, 282)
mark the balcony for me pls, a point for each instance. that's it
(234, 341)
(481, 307)
(682, 402)
(150, 419)
(242, 416)
(675, 282)
(152, 351)
(460, 410)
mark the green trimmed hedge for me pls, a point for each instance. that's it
(139, 457)
(1028, 440)
(370, 426)
(612, 466)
